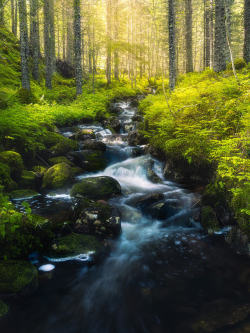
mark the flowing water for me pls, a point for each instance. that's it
(160, 274)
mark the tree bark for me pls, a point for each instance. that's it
(48, 45)
(108, 59)
(24, 44)
(246, 51)
(34, 38)
(189, 35)
(116, 32)
(1, 12)
(220, 37)
(172, 51)
(207, 36)
(78, 46)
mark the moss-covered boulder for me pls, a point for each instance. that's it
(15, 163)
(75, 244)
(17, 277)
(97, 188)
(209, 220)
(23, 194)
(94, 145)
(28, 180)
(60, 159)
(58, 145)
(83, 134)
(89, 160)
(3, 309)
(57, 176)
(5, 178)
(97, 218)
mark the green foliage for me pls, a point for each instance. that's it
(206, 119)
(14, 161)
(25, 96)
(238, 63)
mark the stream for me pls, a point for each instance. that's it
(162, 275)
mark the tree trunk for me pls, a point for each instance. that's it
(172, 51)
(52, 34)
(207, 43)
(78, 46)
(70, 37)
(116, 32)
(12, 3)
(24, 44)
(34, 37)
(189, 35)
(211, 33)
(220, 37)
(108, 59)
(1, 12)
(247, 31)
(48, 45)
(228, 14)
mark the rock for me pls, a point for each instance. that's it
(238, 240)
(162, 210)
(136, 139)
(219, 314)
(23, 194)
(152, 176)
(17, 277)
(57, 176)
(114, 108)
(5, 178)
(91, 144)
(146, 200)
(4, 309)
(83, 134)
(98, 218)
(137, 117)
(113, 123)
(15, 163)
(208, 218)
(60, 159)
(58, 145)
(97, 188)
(75, 244)
(29, 180)
(89, 160)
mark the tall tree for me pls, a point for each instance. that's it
(172, 50)
(220, 37)
(24, 44)
(109, 51)
(207, 43)
(34, 37)
(116, 53)
(77, 46)
(48, 45)
(189, 35)
(247, 31)
(1, 12)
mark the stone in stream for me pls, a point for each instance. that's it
(97, 188)
(146, 200)
(113, 123)
(91, 144)
(17, 277)
(136, 139)
(96, 218)
(83, 134)
(89, 160)
(57, 176)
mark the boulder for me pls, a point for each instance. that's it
(91, 144)
(17, 277)
(57, 176)
(5, 179)
(97, 188)
(83, 134)
(15, 163)
(162, 210)
(60, 159)
(29, 179)
(146, 200)
(97, 218)
(209, 220)
(135, 139)
(113, 123)
(58, 145)
(23, 194)
(89, 160)
(75, 244)
(4, 309)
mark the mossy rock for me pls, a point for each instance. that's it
(95, 160)
(17, 277)
(60, 159)
(97, 188)
(23, 194)
(209, 220)
(76, 171)
(14, 161)
(58, 144)
(57, 176)
(4, 309)
(28, 180)
(39, 169)
(75, 244)
(5, 178)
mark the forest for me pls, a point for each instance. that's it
(124, 166)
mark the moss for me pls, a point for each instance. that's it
(25, 96)
(208, 218)
(60, 159)
(28, 180)
(39, 169)
(96, 160)
(14, 161)
(23, 194)
(4, 309)
(57, 176)
(5, 178)
(97, 188)
(238, 63)
(74, 244)
(58, 144)
(76, 171)
(16, 276)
